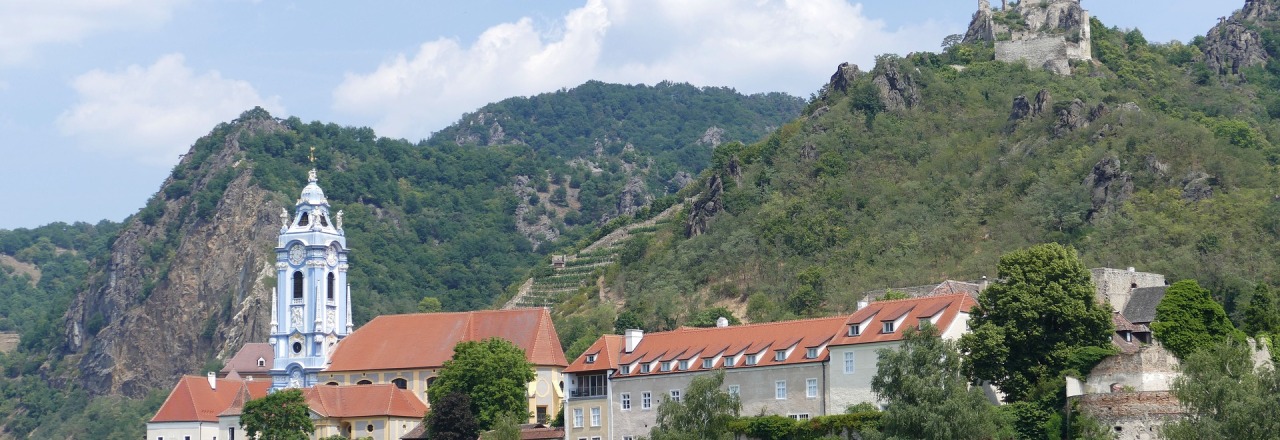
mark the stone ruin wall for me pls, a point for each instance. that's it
(1113, 285)
(1132, 415)
(1151, 368)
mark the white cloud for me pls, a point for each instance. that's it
(766, 45)
(26, 25)
(154, 113)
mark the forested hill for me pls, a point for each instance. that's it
(930, 166)
(186, 281)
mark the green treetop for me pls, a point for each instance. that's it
(703, 414)
(493, 373)
(1188, 319)
(1034, 322)
(282, 415)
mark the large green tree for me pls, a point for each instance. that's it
(1188, 319)
(282, 415)
(1034, 322)
(703, 413)
(493, 373)
(928, 395)
(1225, 395)
(1262, 316)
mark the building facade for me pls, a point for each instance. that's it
(311, 305)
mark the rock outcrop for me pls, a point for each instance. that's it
(1109, 186)
(708, 204)
(165, 320)
(844, 77)
(713, 137)
(635, 195)
(1197, 186)
(1234, 43)
(898, 90)
(1071, 117)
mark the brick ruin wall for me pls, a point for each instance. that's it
(1132, 416)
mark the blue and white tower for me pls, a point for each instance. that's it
(311, 308)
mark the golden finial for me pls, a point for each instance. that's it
(313, 154)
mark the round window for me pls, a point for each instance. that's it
(297, 347)
(369, 428)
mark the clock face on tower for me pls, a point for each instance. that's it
(331, 254)
(296, 254)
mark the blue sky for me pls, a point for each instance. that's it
(98, 99)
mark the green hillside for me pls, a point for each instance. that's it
(1146, 157)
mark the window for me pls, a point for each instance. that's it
(595, 416)
(590, 385)
(887, 327)
(644, 368)
(666, 366)
(595, 438)
(305, 220)
(811, 388)
(684, 365)
(751, 359)
(591, 359)
(400, 383)
(364, 382)
(541, 415)
(646, 400)
(297, 347)
(728, 361)
(780, 355)
(577, 417)
(707, 363)
(675, 395)
(811, 353)
(627, 437)
(855, 330)
(262, 362)
(186, 437)
(780, 390)
(231, 433)
(330, 289)
(848, 362)
(734, 390)
(626, 401)
(625, 369)
(332, 384)
(802, 416)
(297, 285)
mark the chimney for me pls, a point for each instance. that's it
(632, 337)
(213, 381)
(722, 322)
(861, 304)
(982, 285)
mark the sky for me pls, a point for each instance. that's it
(98, 98)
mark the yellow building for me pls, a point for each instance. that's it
(408, 351)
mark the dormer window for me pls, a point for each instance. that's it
(811, 353)
(855, 330)
(262, 362)
(751, 359)
(625, 369)
(304, 220)
(707, 363)
(684, 365)
(887, 327)
(591, 359)
(1128, 336)
(728, 361)
(666, 366)
(644, 368)
(780, 355)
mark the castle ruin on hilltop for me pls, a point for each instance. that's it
(1040, 33)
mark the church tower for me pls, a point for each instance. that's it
(311, 305)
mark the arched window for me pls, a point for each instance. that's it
(430, 380)
(332, 383)
(304, 220)
(262, 362)
(364, 382)
(331, 283)
(400, 383)
(323, 221)
(297, 285)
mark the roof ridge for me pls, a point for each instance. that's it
(755, 324)
(923, 298)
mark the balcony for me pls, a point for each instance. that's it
(588, 392)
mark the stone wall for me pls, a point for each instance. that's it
(1049, 52)
(1151, 368)
(1132, 416)
(1114, 285)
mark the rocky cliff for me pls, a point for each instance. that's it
(181, 288)
(1235, 42)
(1047, 34)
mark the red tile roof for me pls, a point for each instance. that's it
(913, 311)
(399, 342)
(684, 343)
(245, 361)
(192, 400)
(363, 401)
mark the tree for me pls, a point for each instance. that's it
(505, 428)
(451, 418)
(1033, 322)
(927, 393)
(493, 373)
(282, 415)
(429, 304)
(1188, 319)
(1261, 315)
(703, 413)
(1225, 395)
